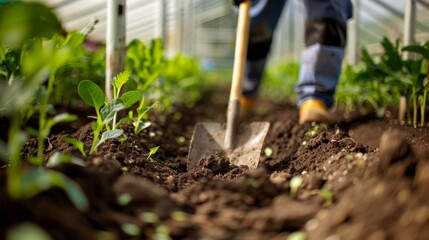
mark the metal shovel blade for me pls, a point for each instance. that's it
(208, 138)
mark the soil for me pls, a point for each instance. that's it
(363, 178)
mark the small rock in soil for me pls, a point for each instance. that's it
(393, 148)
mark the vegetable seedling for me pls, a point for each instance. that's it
(152, 151)
(327, 195)
(92, 95)
(295, 183)
(77, 143)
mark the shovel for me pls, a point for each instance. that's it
(241, 143)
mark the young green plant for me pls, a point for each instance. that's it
(106, 111)
(92, 95)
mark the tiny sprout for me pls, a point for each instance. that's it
(125, 199)
(149, 217)
(124, 169)
(327, 195)
(268, 152)
(162, 233)
(349, 156)
(180, 139)
(295, 183)
(297, 236)
(152, 151)
(177, 116)
(122, 139)
(178, 216)
(131, 229)
(253, 182)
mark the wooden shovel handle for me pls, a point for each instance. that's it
(242, 38)
(233, 113)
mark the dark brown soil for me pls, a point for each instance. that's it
(376, 170)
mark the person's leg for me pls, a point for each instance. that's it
(325, 39)
(264, 16)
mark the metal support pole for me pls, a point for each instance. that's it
(353, 37)
(409, 25)
(162, 21)
(115, 42)
(178, 29)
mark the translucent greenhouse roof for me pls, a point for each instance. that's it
(193, 26)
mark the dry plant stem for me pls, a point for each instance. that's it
(423, 107)
(402, 108)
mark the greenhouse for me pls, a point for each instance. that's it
(214, 119)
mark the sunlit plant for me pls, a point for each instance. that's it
(295, 183)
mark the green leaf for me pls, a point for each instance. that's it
(37, 180)
(91, 94)
(108, 112)
(142, 111)
(143, 126)
(417, 49)
(60, 158)
(125, 120)
(78, 144)
(21, 21)
(26, 231)
(120, 79)
(108, 135)
(152, 151)
(391, 56)
(63, 117)
(74, 39)
(131, 97)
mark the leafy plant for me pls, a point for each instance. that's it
(384, 81)
(92, 95)
(26, 63)
(145, 62)
(420, 74)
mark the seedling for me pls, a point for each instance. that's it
(268, 152)
(78, 144)
(131, 229)
(297, 236)
(295, 183)
(124, 199)
(179, 216)
(327, 195)
(149, 217)
(151, 152)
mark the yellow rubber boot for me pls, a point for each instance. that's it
(313, 110)
(246, 106)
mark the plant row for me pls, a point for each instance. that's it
(42, 67)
